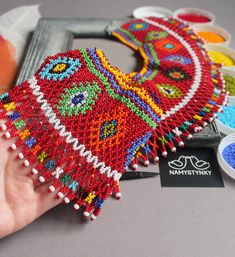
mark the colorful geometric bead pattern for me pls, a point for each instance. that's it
(108, 129)
(187, 84)
(153, 35)
(79, 99)
(60, 68)
(178, 59)
(138, 26)
(169, 91)
(72, 122)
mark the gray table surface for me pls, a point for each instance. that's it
(149, 220)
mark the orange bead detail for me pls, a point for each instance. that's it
(24, 134)
(36, 149)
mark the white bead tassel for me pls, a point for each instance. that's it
(3, 126)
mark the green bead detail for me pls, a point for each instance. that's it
(163, 140)
(230, 84)
(42, 156)
(184, 126)
(153, 35)
(111, 92)
(205, 109)
(169, 91)
(65, 179)
(170, 136)
(19, 124)
(79, 99)
(155, 68)
(131, 36)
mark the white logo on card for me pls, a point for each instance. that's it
(201, 167)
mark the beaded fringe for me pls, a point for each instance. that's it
(71, 176)
(167, 137)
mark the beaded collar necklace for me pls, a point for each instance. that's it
(189, 86)
(73, 120)
(81, 122)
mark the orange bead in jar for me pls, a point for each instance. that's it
(211, 37)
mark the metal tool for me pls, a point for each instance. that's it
(138, 174)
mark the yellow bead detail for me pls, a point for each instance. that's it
(123, 40)
(60, 67)
(163, 140)
(197, 117)
(108, 129)
(215, 81)
(90, 197)
(193, 37)
(42, 156)
(10, 106)
(140, 91)
(138, 26)
(146, 61)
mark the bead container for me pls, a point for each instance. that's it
(153, 11)
(194, 16)
(229, 79)
(213, 34)
(226, 155)
(221, 55)
(226, 119)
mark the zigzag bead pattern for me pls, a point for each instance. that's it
(84, 150)
(53, 120)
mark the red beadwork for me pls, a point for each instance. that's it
(82, 121)
(170, 67)
(74, 126)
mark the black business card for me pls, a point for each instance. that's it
(191, 167)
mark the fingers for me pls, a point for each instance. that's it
(12, 164)
(48, 200)
(14, 167)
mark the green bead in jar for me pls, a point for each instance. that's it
(230, 84)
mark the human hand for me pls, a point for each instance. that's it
(22, 197)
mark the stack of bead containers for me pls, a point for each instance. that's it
(216, 38)
(216, 41)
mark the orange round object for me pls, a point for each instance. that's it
(8, 65)
(211, 37)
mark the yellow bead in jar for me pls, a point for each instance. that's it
(221, 58)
